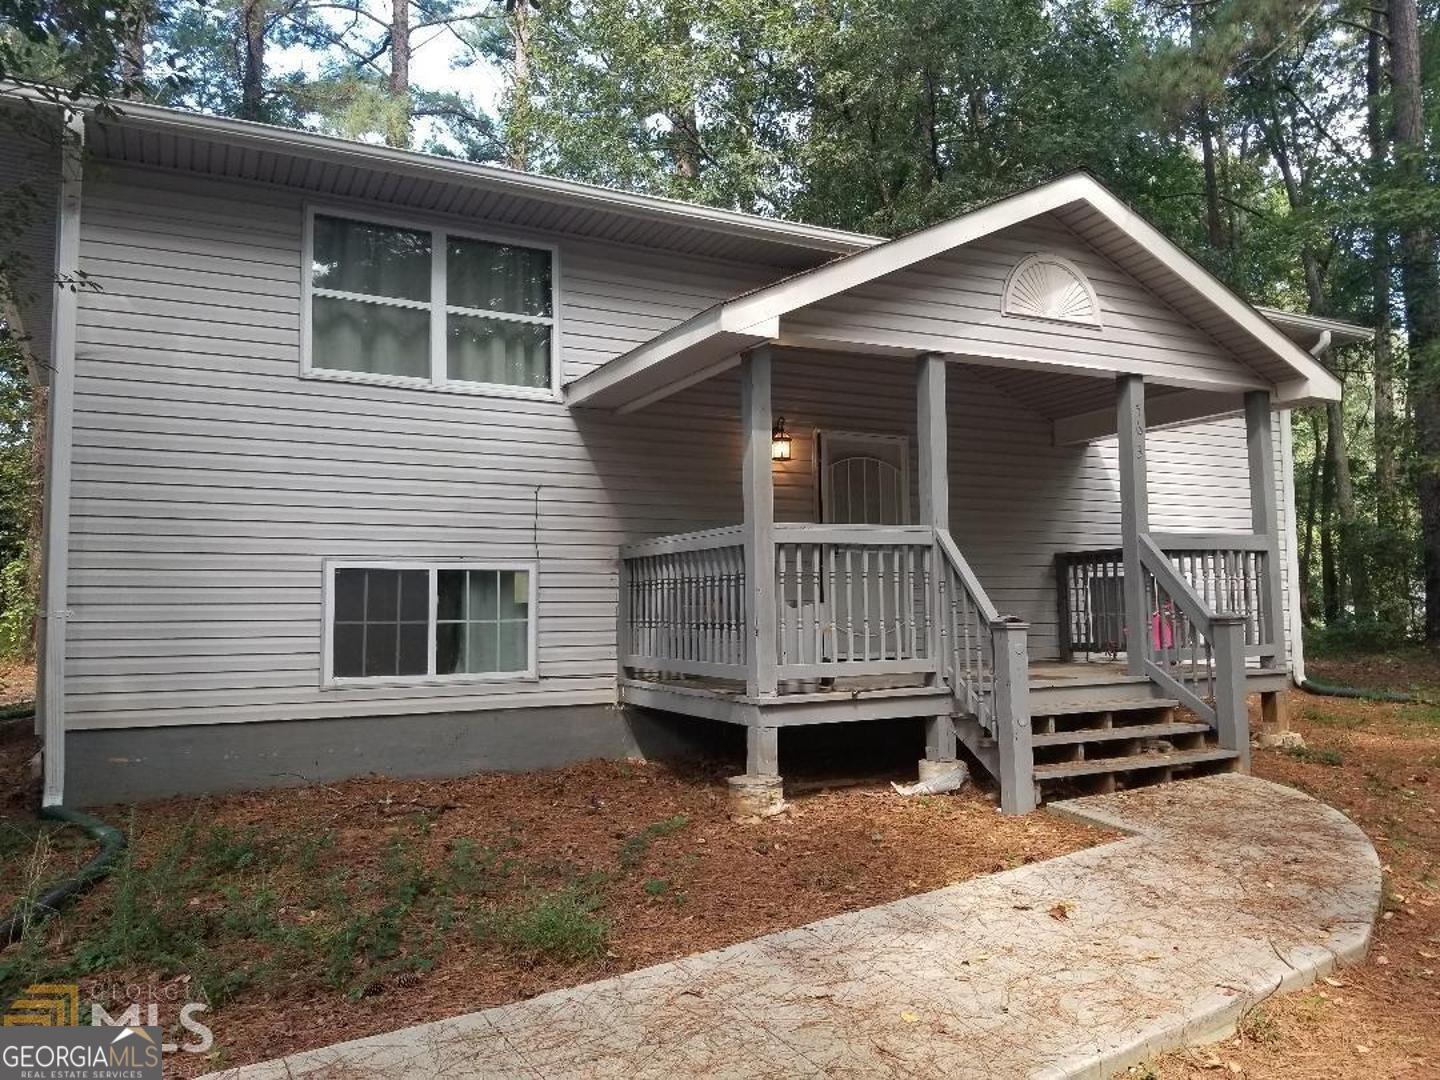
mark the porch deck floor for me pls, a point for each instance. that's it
(1043, 673)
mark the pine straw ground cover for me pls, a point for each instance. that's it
(314, 915)
(1380, 764)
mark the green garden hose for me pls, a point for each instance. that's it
(110, 839)
(1310, 686)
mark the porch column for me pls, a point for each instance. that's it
(1259, 441)
(931, 420)
(759, 519)
(1264, 514)
(1134, 514)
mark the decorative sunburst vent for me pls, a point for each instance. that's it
(1049, 287)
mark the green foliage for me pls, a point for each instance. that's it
(560, 925)
(632, 851)
(1316, 756)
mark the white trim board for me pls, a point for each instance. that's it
(750, 319)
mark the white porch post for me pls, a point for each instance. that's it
(931, 420)
(1134, 515)
(1264, 515)
(759, 520)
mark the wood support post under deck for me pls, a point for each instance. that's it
(1264, 514)
(1013, 736)
(1232, 717)
(762, 751)
(1134, 514)
(759, 520)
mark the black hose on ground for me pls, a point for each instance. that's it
(1310, 686)
(112, 843)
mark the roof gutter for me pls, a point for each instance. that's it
(551, 189)
(55, 611)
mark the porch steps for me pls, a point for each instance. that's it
(1086, 746)
(1131, 731)
(1132, 763)
(1070, 708)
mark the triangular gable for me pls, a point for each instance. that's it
(708, 341)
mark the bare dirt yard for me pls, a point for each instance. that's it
(1380, 764)
(314, 915)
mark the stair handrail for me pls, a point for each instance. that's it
(1222, 635)
(985, 659)
(966, 632)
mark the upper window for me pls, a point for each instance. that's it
(404, 621)
(428, 305)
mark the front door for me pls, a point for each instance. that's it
(864, 480)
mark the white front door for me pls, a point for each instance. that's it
(864, 480)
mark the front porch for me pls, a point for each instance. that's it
(772, 624)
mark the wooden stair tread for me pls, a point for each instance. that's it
(1131, 763)
(1071, 708)
(1135, 731)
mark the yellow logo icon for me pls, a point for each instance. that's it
(45, 1005)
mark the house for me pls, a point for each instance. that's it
(367, 460)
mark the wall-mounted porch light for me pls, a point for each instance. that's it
(779, 441)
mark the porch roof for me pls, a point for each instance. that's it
(1263, 344)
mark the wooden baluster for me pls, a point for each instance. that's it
(865, 599)
(849, 603)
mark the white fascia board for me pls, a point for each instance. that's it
(1342, 333)
(1324, 385)
(696, 339)
(494, 177)
(854, 270)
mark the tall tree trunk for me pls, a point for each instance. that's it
(397, 128)
(1307, 541)
(517, 148)
(1214, 222)
(1392, 567)
(1331, 602)
(684, 136)
(252, 73)
(1420, 281)
(1351, 554)
(134, 30)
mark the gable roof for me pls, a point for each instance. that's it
(688, 351)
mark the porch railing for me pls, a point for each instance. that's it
(852, 600)
(967, 622)
(683, 606)
(1227, 572)
(1194, 652)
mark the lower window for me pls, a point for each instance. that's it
(422, 621)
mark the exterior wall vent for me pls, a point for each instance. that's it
(1049, 287)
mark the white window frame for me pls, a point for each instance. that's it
(328, 677)
(437, 305)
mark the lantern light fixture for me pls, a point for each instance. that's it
(779, 441)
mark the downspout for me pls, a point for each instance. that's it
(1292, 529)
(59, 432)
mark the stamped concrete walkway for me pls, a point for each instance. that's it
(1230, 889)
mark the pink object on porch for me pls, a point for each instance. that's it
(1162, 629)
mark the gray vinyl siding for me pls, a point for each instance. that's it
(952, 304)
(211, 481)
(29, 186)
